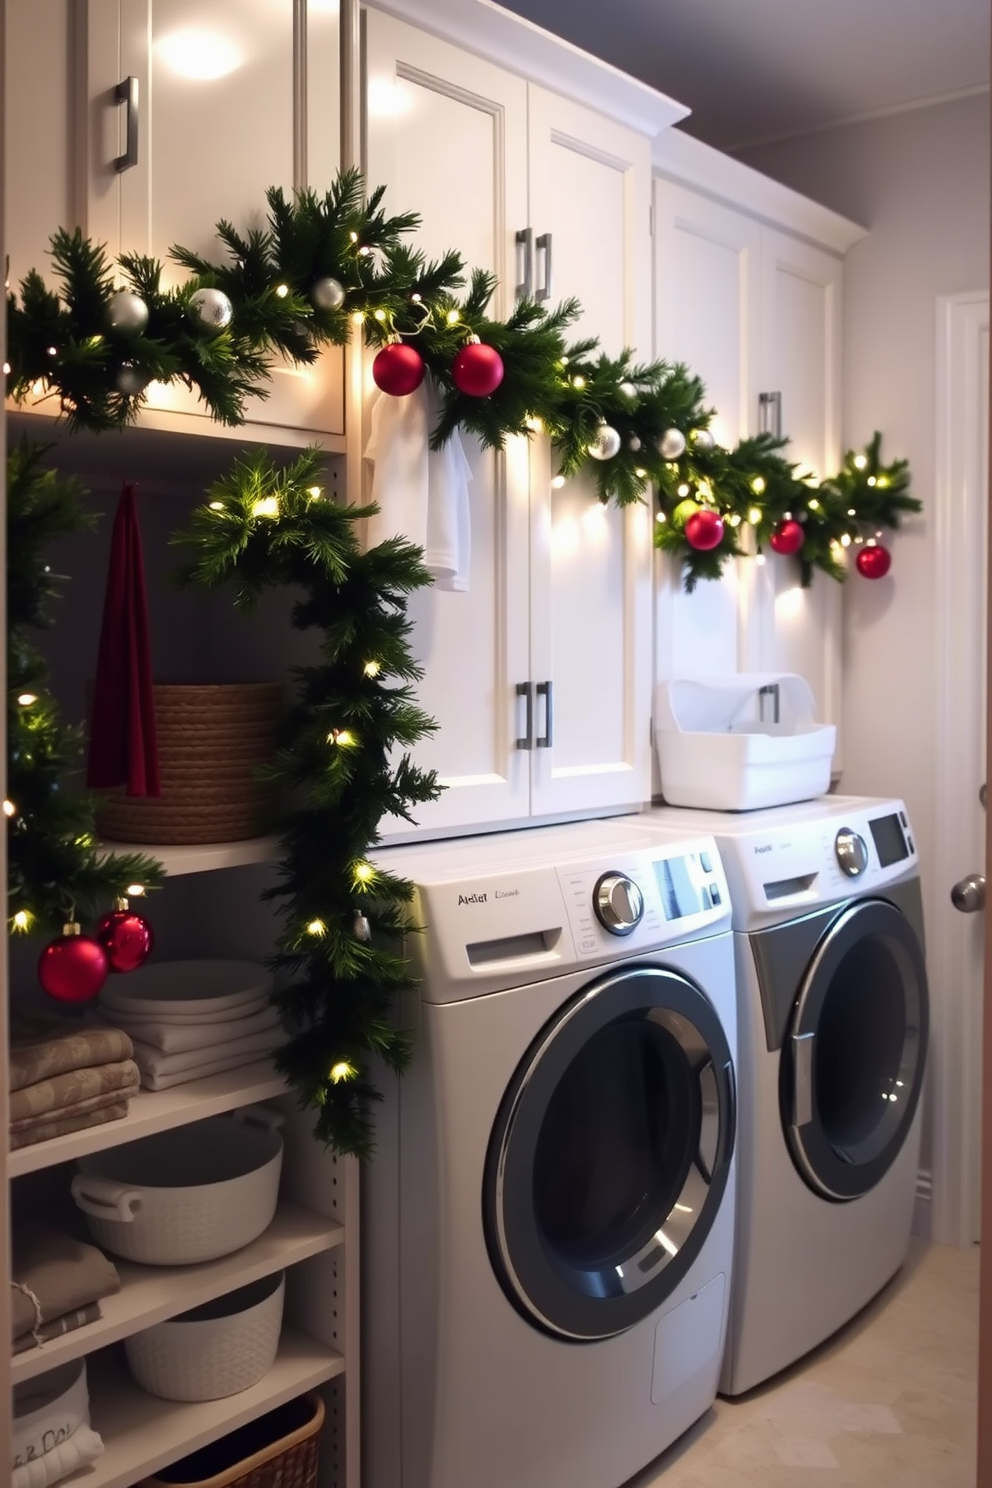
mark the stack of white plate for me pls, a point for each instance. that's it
(188, 1019)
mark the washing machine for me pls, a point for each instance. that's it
(548, 1219)
(832, 1025)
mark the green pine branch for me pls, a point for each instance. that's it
(263, 527)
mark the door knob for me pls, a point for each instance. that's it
(969, 895)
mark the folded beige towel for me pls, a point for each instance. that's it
(67, 1323)
(80, 1107)
(61, 1126)
(42, 1047)
(69, 1089)
(52, 1274)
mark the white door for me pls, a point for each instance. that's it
(956, 941)
(590, 185)
(231, 100)
(446, 133)
(707, 305)
(792, 629)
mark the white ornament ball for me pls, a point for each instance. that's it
(671, 444)
(629, 390)
(327, 294)
(605, 444)
(633, 443)
(126, 311)
(703, 441)
(212, 309)
(130, 379)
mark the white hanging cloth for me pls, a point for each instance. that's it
(422, 493)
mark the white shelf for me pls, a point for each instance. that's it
(154, 1111)
(204, 857)
(149, 1294)
(142, 1433)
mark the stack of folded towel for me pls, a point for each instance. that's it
(56, 1285)
(183, 1027)
(65, 1076)
(51, 1433)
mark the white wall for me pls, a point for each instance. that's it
(920, 182)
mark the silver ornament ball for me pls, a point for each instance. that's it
(212, 309)
(327, 294)
(633, 443)
(629, 390)
(605, 444)
(671, 444)
(126, 311)
(130, 379)
(703, 441)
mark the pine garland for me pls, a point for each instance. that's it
(340, 955)
(56, 872)
(274, 277)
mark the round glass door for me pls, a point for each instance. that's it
(853, 1059)
(610, 1154)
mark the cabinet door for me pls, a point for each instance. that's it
(446, 133)
(232, 99)
(793, 629)
(707, 293)
(590, 191)
(38, 169)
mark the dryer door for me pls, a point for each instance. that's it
(610, 1154)
(854, 1054)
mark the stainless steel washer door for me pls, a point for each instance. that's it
(853, 1058)
(610, 1154)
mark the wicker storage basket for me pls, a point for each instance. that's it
(211, 740)
(278, 1450)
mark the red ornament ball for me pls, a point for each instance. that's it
(704, 529)
(788, 537)
(874, 562)
(74, 967)
(398, 369)
(126, 937)
(477, 370)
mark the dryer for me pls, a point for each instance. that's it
(833, 1017)
(548, 1220)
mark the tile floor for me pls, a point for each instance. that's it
(889, 1403)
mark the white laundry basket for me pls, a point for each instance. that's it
(216, 1350)
(740, 742)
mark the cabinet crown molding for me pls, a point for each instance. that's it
(677, 156)
(483, 27)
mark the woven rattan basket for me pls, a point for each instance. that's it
(211, 740)
(279, 1450)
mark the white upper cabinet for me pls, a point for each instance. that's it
(185, 112)
(446, 134)
(754, 309)
(539, 675)
(590, 186)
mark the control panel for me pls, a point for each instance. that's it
(647, 898)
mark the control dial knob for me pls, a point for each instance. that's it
(619, 903)
(852, 854)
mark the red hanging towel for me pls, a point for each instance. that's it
(123, 745)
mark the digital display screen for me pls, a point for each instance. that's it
(890, 844)
(678, 895)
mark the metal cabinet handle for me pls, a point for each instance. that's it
(543, 245)
(770, 414)
(546, 690)
(526, 741)
(802, 1063)
(969, 894)
(525, 282)
(126, 93)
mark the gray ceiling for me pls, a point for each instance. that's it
(754, 70)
